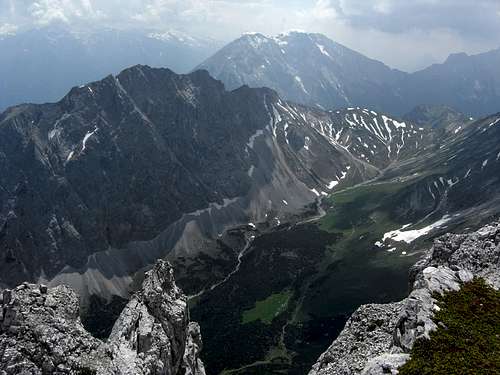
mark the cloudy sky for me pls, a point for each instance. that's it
(406, 34)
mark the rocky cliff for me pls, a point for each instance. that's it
(41, 333)
(377, 339)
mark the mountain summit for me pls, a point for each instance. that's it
(307, 68)
(314, 70)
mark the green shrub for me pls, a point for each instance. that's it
(467, 340)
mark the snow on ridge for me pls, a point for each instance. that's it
(256, 39)
(396, 123)
(301, 84)
(494, 122)
(86, 138)
(252, 33)
(323, 50)
(292, 31)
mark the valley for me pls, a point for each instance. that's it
(295, 289)
(345, 258)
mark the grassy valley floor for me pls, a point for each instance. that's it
(298, 285)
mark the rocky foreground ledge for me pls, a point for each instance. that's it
(377, 339)
(41, 332)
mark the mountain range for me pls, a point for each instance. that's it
(282, 209)
(302, 67)
(148, 162)
(40, 65)
(312, 69)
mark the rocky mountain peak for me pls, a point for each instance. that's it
(40, 332)
(312, 69)
(306, 68)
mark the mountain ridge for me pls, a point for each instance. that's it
(68, 56)
(332, 76)
(95, 153)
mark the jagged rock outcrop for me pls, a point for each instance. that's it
(41, 333)
(377, 339)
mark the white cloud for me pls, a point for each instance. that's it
(8, 29)
(323, 10)
(383, 6)
(44, 12)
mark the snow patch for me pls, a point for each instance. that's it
(315, 192)
(494, 122)
(307, 143)
(250, 171)
(323, 50)
(332, 184)
(86, 138)
(251, 141)
(299, 81)
(409, 236)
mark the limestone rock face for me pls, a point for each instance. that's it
(377, 339)
(41, 333)
(371, 329)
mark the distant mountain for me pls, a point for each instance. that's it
(468, 83)
(309, 69)
(438, 117)
(41, 65)
(126, 170)
(314, 70)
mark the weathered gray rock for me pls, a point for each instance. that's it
(388, 363)
(367, 334)
(452, 261)
(41, 333)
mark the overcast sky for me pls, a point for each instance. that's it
(405, 34)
